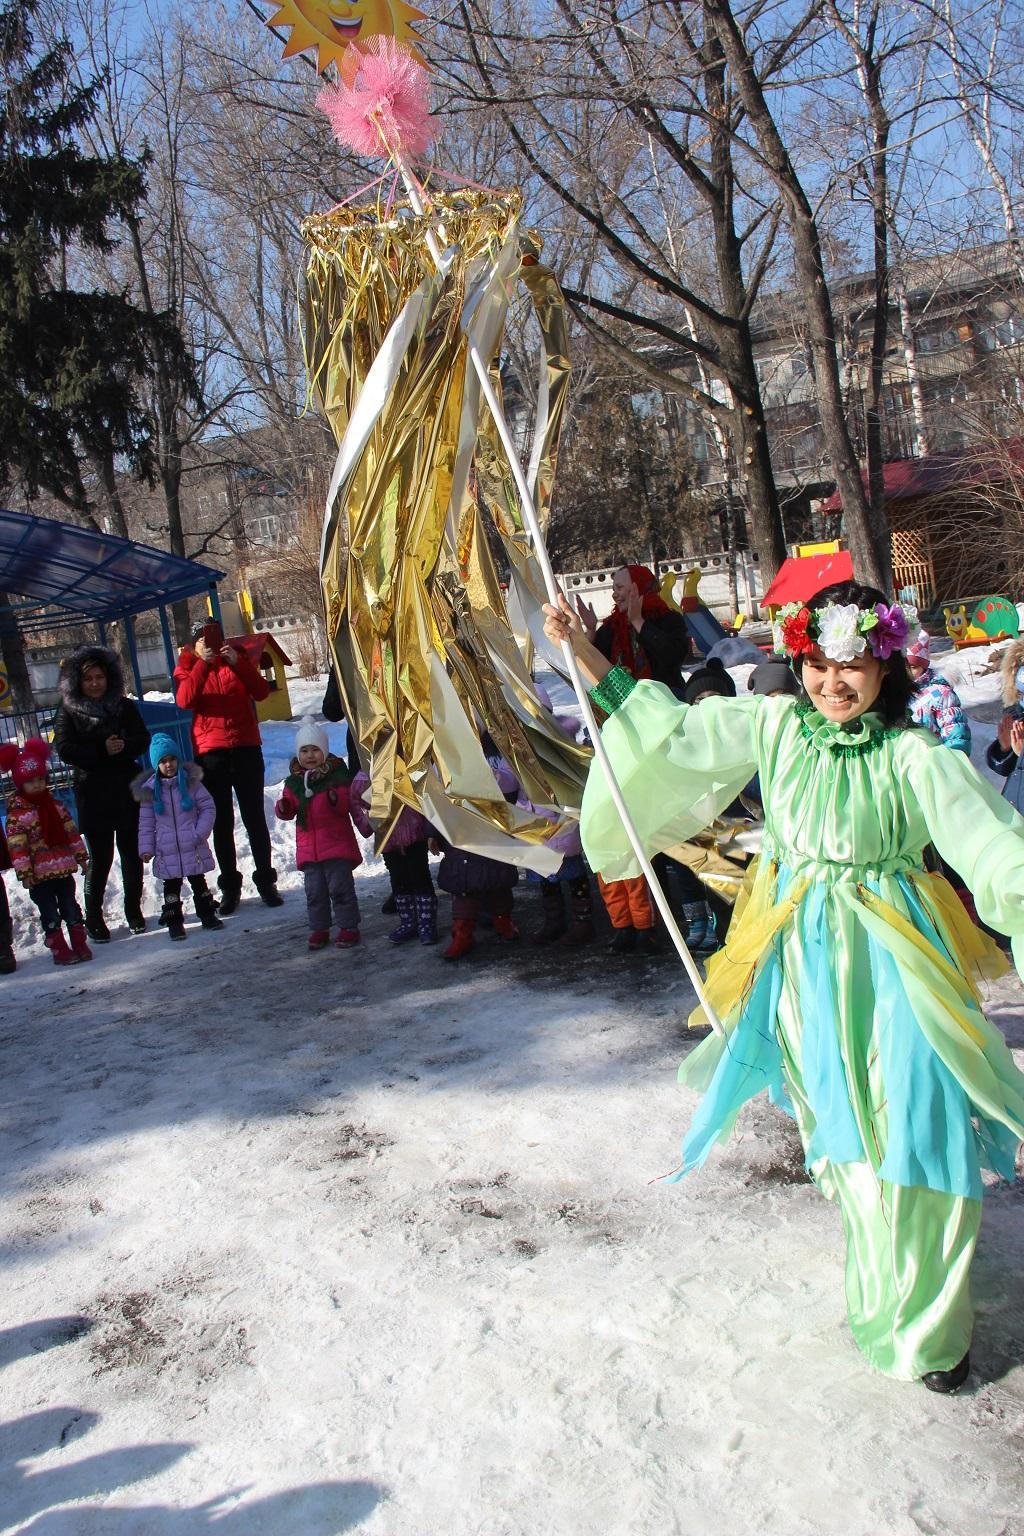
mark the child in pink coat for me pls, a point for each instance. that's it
(316, 796)
(46, 850)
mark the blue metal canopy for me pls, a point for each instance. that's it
(92, 576)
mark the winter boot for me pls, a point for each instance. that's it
(553, 908)
(206, 909)
(230, 894)
(95, 926)
(319, 938)
(57, 944)
(624, 941)
(426, 918)
(390, 907)
(347, 938)
(406, 930)
(172, 918)
(8, 964)
(266, 884)
(462, 940)
(76, 933)
(135, 920)
(504, 927)
(647, 941)
(581, 919)
(700, 928)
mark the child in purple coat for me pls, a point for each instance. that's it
(316, 796)
(175, 821)
(405, 856)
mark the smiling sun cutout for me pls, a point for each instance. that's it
(331, 25)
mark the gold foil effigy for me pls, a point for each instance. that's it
(423, 528)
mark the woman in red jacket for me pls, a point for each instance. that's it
(220, 687)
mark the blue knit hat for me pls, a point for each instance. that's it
(161, 746)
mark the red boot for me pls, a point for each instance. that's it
(504, 927)
(462, 940)
(57, 944)
(79, 943)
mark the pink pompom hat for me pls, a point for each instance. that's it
(27, 763)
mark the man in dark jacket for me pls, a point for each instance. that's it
(221, 688)
(100, 733)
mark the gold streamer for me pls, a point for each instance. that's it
(423, 519)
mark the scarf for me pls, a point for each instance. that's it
(90, 710)
(315, 781)
(51, 823)
(626, 651)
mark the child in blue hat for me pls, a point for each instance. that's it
(175, 822)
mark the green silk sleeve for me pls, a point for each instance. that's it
(977, 832)
(678, 766)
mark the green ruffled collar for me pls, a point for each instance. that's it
(865, 734)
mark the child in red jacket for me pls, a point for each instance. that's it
(46, 850)
(316, 796)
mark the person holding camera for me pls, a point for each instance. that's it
(221, 687)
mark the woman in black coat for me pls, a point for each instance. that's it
(100, 733)
(642, 633)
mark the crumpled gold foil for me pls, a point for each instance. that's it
(423, 525)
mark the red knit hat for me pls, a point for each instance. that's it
(27, 763)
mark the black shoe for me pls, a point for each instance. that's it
(624, 941)
(136, 922)
(8, 964)
(389, 907)
(647, 942)
(173, 919)
(96, 928)
(267, 887)
(206, 910)
(948, 1381)
(231, 894)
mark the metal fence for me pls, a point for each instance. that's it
(19, 725)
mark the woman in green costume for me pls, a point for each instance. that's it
(848, 984)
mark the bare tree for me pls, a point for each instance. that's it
(604, 134)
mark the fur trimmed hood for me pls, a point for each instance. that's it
(142, 784)
(71, 681)
(1013, 659)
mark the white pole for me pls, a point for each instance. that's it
(572, 665)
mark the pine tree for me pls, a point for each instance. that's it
(73, 360)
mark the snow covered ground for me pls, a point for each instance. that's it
(359, 1241)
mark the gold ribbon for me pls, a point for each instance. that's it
(423, 518)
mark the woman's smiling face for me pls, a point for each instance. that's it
(842, 690)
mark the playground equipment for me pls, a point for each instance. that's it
(705, 629)
(988, 619)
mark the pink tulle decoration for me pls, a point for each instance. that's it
(384, 110)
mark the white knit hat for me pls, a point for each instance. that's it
(311, 734)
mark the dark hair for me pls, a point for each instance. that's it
(893, 701)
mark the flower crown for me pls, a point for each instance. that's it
(842, 631)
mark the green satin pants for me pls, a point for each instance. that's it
(908, 1262)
